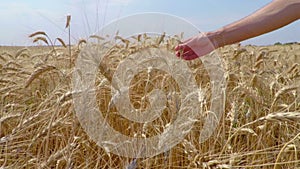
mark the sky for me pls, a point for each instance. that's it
(19, 18)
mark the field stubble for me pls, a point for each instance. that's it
(259, 127)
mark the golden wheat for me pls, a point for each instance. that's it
(37, 33)
(62, 42)
(38, 72)
(259, 127)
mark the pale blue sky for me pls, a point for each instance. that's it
(19, 18)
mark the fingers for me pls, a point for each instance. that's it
(185, 52)
(183, 48)
(190, 55)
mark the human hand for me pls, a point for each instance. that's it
(195, 47)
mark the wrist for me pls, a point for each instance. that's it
(216, 38)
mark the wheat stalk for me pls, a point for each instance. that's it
(282, 91)
(37, 72)
(97, 37)
(20, 52)
(40, 39)
(37, 33)
(62, 42)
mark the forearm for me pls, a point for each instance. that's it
(273, 16)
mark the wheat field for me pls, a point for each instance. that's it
(259, 127)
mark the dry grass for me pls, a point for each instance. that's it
(260, 125)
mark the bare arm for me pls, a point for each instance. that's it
(275, 15)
